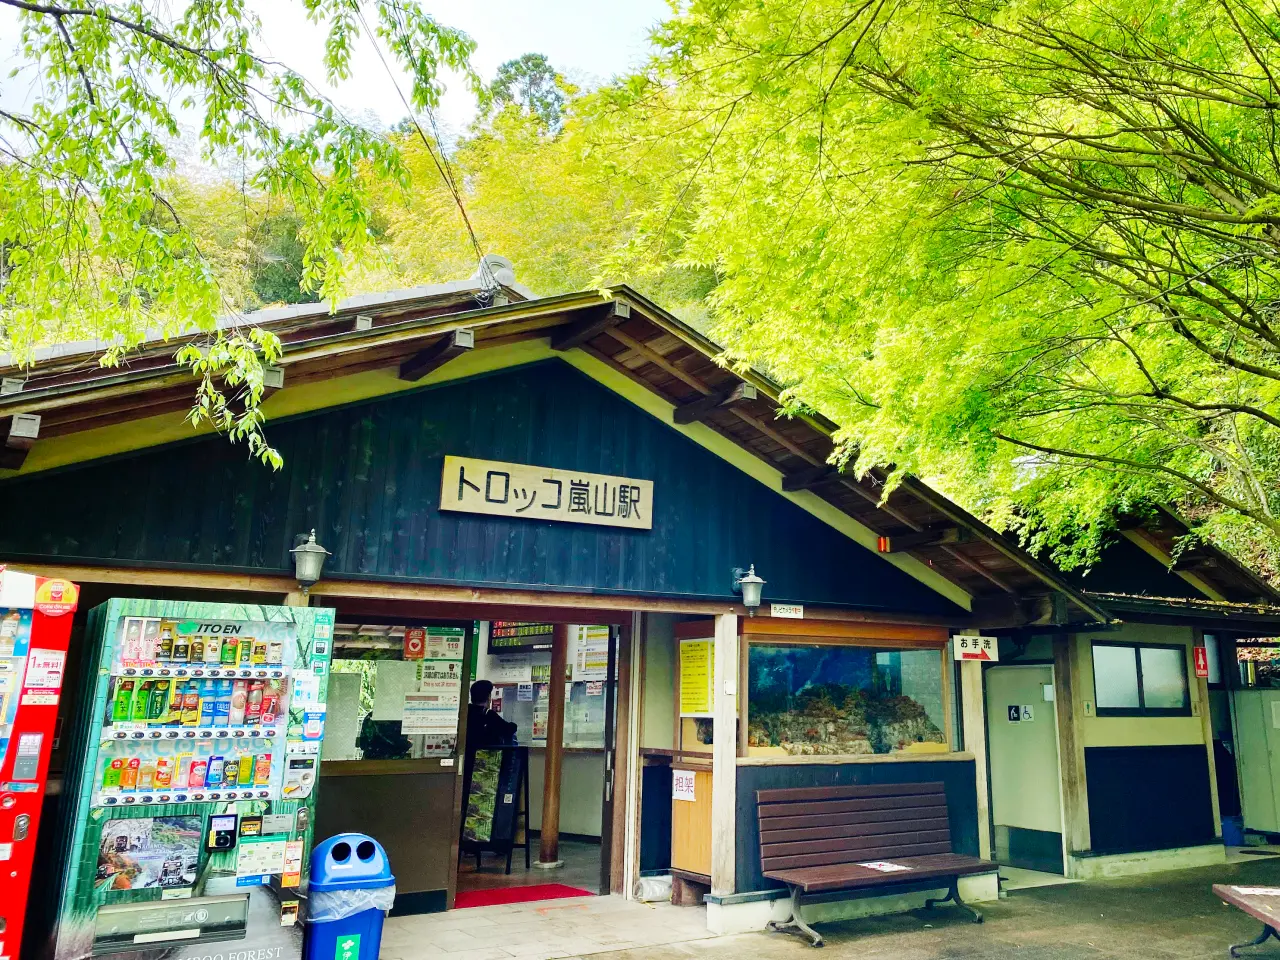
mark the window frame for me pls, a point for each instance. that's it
(1142, 710)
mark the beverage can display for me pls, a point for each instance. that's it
(147, 775)
(182, 771)
(230, 648)
(112, 775)
(213, 774)
(131, 645)
(164, 649)
(141, 701)
(199, 768)
(181, 649)
(164, 773)
(275, 653)
(158, 705)
(208, 703)
(230, 772)
(197, 650)
(246, 651)
(244, 776)
(212, 649)
(222, 704)
(150, 640)
(239, 698)
(191, 705)
(253, 704)
(262, 770)
(123, 704)
(129, 775)
(174, 715)
(271, 702)
(259, 652)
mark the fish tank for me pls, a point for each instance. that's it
(843, 701)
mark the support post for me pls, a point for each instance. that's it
(549, 847)
(975, 742)
(1075, 791)
(1206, 728)
(296, 598)
(724, 758)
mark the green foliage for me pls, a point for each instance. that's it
(1027, 249)
(532, 85)
(96, 245)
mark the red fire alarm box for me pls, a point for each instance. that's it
(35, 628)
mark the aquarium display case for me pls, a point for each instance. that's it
(843, 700)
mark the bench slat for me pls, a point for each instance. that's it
(823, 808)
(843, 858)
(855, 791)
(846, 876)
(856, 846)
(834, 830)
(852, 818)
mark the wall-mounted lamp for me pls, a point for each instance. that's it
(308, 560)
(749, 585)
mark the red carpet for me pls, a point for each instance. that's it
(539, 891)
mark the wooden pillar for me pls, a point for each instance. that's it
(1206, 727)
(975, 742)
(724, 758)
(549, 848)
(1075, 791)
(622, 763)
(296, 598)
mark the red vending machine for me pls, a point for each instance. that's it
(35, 627)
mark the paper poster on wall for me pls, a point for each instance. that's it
(44, 669)
(683, 785)
(524, 693)
(696, 675)
(429, 713)
(591, 658)
(511, 668)
(445, 643)
(595, 688)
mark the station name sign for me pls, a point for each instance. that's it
(542, 493)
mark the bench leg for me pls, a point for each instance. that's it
(795, 924)
(953, 894)
(1268, 931)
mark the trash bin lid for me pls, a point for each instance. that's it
(349, 861)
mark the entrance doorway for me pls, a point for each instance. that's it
(1026, 787)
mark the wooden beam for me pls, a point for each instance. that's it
(698, 410)
(595, 323)
(452, 344)
(974, 720)
(1075, 789)
(19, 433)
(809, 478)
(549, 846)
(896, 543)
(622, 765)
(724, 758)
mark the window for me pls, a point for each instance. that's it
(1131, 679)
(843, 700)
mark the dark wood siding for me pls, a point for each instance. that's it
(1148, 798)
(367, 478)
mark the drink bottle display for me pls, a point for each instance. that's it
(193, 720)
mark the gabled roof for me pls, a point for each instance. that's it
(627, 334)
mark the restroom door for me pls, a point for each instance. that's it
(1258, 754)
(1026, 789)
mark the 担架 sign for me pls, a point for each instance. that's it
(541, 493)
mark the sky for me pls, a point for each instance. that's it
(582, 39)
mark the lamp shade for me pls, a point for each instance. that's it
(308, 560)
(751, 586)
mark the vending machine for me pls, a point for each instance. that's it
(35, 628)
(190, 808)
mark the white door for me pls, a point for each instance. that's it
(1026, 791)
(1258, 755)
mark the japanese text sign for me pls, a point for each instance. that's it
(975, 648)
(541, 493)
(684, 785)
(1202, 661)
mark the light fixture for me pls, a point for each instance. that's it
(749, 585)
(308, 560)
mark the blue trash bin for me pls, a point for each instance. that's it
(350, 891)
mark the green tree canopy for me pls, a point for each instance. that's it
(94, 244)
(532, 85)
(1025, 249)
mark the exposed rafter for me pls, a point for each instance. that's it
(19, 435)
(452, 344)
(596, 322)
(698, 410)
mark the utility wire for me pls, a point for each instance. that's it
(488, 284)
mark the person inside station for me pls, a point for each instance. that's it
(485, 728)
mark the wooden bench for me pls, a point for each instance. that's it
(835, 843)
(1261, 903)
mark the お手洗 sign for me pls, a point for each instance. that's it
(541, 493)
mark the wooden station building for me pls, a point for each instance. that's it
(473, 457)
